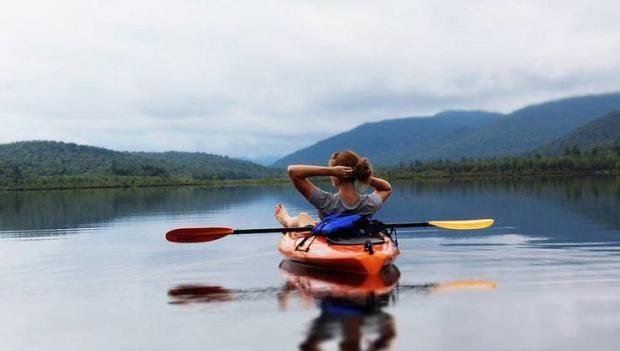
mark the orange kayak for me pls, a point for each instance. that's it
(319, 251)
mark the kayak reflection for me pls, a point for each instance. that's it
(351, 305)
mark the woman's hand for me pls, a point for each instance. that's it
(343, 172)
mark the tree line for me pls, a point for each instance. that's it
(572, 162)
(121, 172)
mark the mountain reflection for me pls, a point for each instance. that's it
(351, 306)
(57, 212)
(576, 209)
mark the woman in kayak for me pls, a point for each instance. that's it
(345, 169)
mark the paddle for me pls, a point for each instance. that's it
(201, 235)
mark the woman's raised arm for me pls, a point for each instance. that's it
(300, 173)
(382, 187)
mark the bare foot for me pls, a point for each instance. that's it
(282, 215)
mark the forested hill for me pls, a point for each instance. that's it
(22, 160)
(602, 133)
(390, 141)
(403, 140)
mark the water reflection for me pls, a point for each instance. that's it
(56, 210)
(576, 209)
(188, 294)
(351, 306)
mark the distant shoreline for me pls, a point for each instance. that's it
(573, 163)
(595, 162)
(498, 176)
(74, 183)
(57, 166)
(53, 183)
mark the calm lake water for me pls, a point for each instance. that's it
(91, 270)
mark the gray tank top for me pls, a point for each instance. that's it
(330, 204)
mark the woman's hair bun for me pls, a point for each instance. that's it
(362, 170)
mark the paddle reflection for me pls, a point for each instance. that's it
(351, 305)
(187, 294)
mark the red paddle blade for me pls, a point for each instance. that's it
(197, 235)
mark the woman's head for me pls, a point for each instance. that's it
(362, 170)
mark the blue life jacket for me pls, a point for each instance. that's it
(338, 224)
(354, 225)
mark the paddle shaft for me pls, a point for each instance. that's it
(309, 228)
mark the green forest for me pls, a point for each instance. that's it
(53, 165)
(572, 162)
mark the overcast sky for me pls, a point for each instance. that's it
(263, 78)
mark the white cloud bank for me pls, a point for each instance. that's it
(261, 78)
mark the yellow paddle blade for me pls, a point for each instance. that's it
(464, 225)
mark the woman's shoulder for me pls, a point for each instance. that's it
(320, 198)
(320, 193)
(371, 196)
(373, 199)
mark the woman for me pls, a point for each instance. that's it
(345, 169)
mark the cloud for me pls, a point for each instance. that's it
(256, 79)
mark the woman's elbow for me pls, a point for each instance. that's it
(384, 194)
(292, 171)
(388, 192)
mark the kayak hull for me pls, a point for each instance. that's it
(351, 258)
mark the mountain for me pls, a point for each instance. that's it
(603, 132)
(264, 160)
(533, 126)
(483, 136)
(390, 141)
(49, 158)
